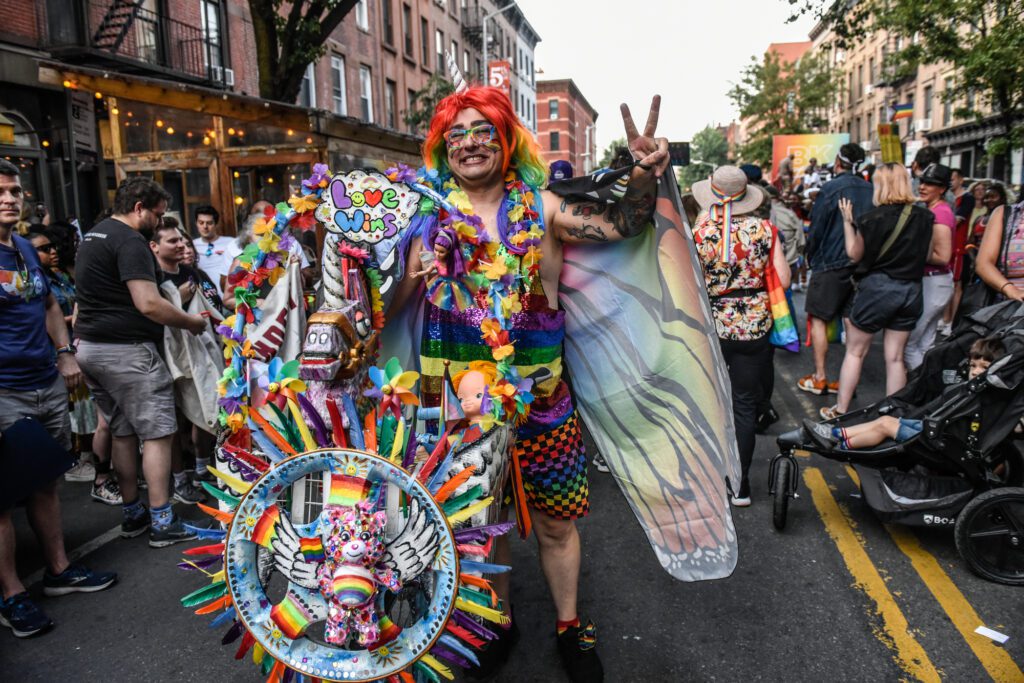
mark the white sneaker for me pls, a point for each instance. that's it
(741, 502)
(82, 471)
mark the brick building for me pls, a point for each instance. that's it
(566, 127)
(869, 86)
(170, 88)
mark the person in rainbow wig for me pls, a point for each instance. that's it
(488, 181)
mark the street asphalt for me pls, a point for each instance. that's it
(836, 596)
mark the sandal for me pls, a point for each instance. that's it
(829, 412)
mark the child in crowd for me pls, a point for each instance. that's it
(980, 356)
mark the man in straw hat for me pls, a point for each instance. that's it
(489, 167)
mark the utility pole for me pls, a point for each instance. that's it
(487, 18)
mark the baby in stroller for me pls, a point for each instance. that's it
(900, 429)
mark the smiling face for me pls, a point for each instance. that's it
(471, 393)
(474, 156)
(992, 199)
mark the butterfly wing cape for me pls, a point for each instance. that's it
(650, 381)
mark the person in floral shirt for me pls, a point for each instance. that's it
(735, 261)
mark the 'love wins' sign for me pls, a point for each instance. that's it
(366, 207)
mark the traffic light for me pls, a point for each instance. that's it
(679, 153)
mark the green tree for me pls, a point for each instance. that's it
(709, 146)
(421, 107)
(780, 98)
(290, 35)
(983, 40)
(610, 151)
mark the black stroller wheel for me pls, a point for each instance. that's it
(781, 490)
(990, 535)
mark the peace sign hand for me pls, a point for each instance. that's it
(651, 152)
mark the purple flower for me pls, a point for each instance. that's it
(404, 174)
(319, 175)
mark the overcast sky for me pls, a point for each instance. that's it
(688, 51)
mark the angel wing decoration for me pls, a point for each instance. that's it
(413, 550)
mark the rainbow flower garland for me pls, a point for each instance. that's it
(262, 261)
(502, 271)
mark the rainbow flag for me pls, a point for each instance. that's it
(901, 111)
(290, 616)
(312, 549)
(266, 527)
(346, 490)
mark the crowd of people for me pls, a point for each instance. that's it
(85, 319)
(901, 251)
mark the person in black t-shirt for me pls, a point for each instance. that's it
(120, 324)
(890, 246)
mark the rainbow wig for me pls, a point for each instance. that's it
(519, 149)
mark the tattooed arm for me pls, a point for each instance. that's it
(600, 221)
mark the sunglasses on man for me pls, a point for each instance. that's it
(458, 138)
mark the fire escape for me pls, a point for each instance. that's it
(130, 36)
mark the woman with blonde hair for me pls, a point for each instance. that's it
(890, 246)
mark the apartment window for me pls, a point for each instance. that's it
(552, 109)
(338, 85)
(307, 91)
(407, 28)
(425, 42)
(388, 21)
(479, 69)
(362, 15)
(855, 135)
(883, 116)
(390, 96)
(860, 80)
(411, 95)
(555, 141)
(947, 103)
(872, 74)
(455, 52)
(927, 102)
(970, 98)
(850, 88)
(870, 132)
(465, 63)
(209, 20)
(366, 93)
(439, 48)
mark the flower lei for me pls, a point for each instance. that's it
(503, 271)
(264, 261)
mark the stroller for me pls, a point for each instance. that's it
(966, 467)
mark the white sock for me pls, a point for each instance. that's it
(202, 464)
(180, 478)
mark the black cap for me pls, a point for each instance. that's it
(936, 174)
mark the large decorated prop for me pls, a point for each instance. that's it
(352, 548)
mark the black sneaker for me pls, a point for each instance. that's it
(76, 579)
(495, 653)
(578, 649)
(130, 528)
(175, 532)
(23, 616)
(188, 493)
(766, 420)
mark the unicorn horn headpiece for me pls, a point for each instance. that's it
(453, 69)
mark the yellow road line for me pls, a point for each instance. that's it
(895, 634)
(997, 662)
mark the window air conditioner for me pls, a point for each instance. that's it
(923, 124)
(229, 77)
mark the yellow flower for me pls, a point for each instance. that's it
(268, 243)
(490, 328)
(460, 200)
(516, 214)
(531, 257)
(263, 226)
(496, 269)
(517, 239)
(511, 304)
(236, 421)
(303, 203)
(535, 232)
(503, 352)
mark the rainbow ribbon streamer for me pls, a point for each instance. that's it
(722, 211)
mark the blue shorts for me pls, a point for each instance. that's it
(908, 429)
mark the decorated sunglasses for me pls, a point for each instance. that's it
(480, 135)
